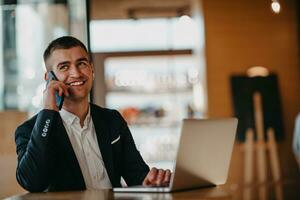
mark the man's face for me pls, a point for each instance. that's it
(72, 67)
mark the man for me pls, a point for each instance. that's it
(296, 140)
(82, 146)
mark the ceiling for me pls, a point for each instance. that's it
(122, 9)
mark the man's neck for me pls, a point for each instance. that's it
(78, 108)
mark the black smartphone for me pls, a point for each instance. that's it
(59, 99)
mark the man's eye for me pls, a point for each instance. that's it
(63, 67)
(82, 64)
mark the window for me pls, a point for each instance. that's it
(143, 34)
(27, 30)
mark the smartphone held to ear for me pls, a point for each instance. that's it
(59, 99)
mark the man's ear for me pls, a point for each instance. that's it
(93, 71)
(46, 76)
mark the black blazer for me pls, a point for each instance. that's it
(46, 160)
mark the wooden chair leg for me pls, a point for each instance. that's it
(248, 158)
(274, 160)
(260, 150)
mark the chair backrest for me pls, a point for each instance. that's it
(8, 158)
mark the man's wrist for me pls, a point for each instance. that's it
(51, 108)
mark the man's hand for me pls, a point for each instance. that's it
(157, 177)
(49, 94)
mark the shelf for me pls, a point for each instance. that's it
(161, 91)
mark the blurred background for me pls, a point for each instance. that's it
(158, 62)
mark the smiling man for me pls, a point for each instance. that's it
(82, 146)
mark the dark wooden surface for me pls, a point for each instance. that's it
(289, 190)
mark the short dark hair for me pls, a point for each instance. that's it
(65, 42)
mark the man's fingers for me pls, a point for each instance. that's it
(58, 86)
(146, 182)
(167, 178)
(160, 177)
(157, 177)
(64, 87)
(150, 178)
(60, 91)
(152, 174)
(49, 94)
(66, 92)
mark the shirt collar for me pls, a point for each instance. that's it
(69, 118)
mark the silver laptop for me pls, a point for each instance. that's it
(203, 155)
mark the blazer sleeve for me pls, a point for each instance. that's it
(35, 151)
(134, 169)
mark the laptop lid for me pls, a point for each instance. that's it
(204, 153)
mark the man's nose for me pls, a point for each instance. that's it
(74, 71)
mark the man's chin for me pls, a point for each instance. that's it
(77, 97)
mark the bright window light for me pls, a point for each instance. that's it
(143, 34)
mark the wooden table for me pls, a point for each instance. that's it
(277, 191)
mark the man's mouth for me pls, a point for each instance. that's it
(76, 83)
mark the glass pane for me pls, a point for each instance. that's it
(27, 30)
(31, 39)
(143, 34)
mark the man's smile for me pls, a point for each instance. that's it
(76, 83)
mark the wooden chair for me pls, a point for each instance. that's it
(265, 151)
(8, 158)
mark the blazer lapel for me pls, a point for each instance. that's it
(103, 138)
(68, 149)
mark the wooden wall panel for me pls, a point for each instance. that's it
(241, 34)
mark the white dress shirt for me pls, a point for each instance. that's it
(85, 145)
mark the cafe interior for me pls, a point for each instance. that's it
(159, 62)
